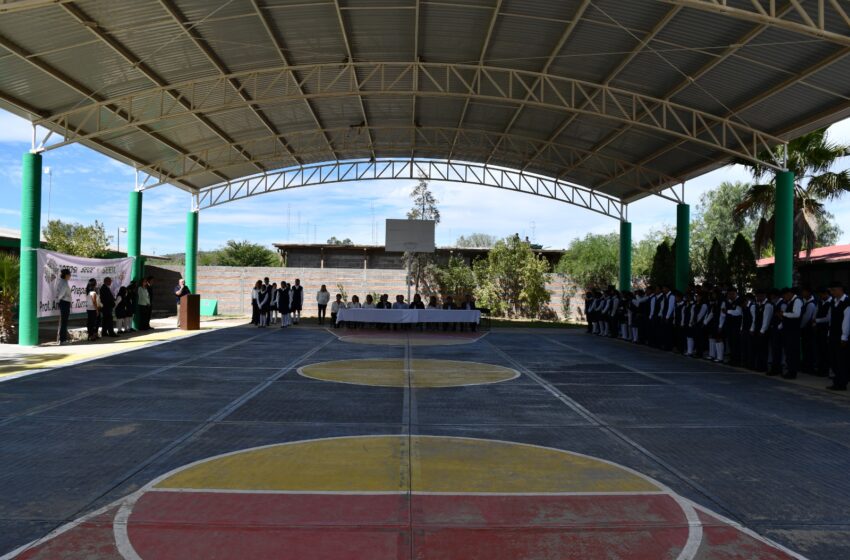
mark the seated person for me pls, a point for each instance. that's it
(399, 303)
(370, 302)
(432, 303)
(449, 304)
(417, 302)
(469, 305)
(355, 304)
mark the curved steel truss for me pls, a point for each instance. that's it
(271, 87)
(393, 169)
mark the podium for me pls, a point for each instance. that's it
(189, 312)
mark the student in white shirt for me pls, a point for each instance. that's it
(63, 301)
(335, 307)
(323, 296)
(92, 308)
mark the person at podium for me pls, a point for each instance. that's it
(179, 291)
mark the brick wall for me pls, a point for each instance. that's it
(232, 286)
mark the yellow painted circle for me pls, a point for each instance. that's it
(391, 372)
(398, 464)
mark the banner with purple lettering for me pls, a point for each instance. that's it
(82, 269)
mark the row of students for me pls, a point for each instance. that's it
(272, 304)
(778, 332)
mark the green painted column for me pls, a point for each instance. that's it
(30, 242)
(783, 243)
(134, 244)
(683, 246)
(625, 255)
(191, 250)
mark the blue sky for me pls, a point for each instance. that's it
(88, 186)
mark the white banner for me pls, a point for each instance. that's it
(82, 269)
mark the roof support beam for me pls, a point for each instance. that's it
(393, 169)
(481, 58)
(87, 22)
(668, 17)
(413, 121)
(106, 105)
(201, 45)
(549, 60)
(456, 81)
(473, 143)
(280, 52)
(685, 83)
(806, 18)
(350, 56)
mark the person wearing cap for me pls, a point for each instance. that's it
(790, 316)
(839, 338)
(823, 316)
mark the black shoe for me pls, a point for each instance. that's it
(834, 387)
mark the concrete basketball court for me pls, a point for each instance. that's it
(312, 444)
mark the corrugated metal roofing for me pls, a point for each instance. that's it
(59, 58)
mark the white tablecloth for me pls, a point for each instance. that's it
(408, 316)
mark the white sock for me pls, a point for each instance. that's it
(720, 350)
(711, 345)
(690, 346)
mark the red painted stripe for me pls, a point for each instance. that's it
(271, 510)
(723, 542)
(555, 511)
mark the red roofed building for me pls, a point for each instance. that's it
(824, 265)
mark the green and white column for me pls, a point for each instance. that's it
(783, 242)
(30, 242)
(683, 246)
(191, 273)
(625, 255)
(134, 244)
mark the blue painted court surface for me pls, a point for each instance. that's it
(764, 464)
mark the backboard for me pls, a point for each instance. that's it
(416, 236)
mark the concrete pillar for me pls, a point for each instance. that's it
(683, 246)
(783, 243)
(30, 242)
(190, 275)
(625, 255)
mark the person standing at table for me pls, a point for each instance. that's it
(64, 299)
(335, 307)
(323, 296)
(179, 291)
(297, 301)
(839, 338)
(107, 302)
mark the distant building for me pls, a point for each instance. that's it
(320, 255)
(824, 265)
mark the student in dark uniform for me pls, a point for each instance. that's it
(791, 314)
(776, 345)
(839, 338)
(823, 316)
(733, 314)
(264, 303)
(807, 330)
(284, 304)
(588, 304)
(296, 301)
(746, 338)
(701, 309)
(107, 302)
(678, 322)
(255, 308)
(761, 330)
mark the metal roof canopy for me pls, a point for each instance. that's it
(606, 100)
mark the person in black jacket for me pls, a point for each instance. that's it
(107, 301)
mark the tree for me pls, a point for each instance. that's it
(424, 208)
(592, 261)
(643, 253)
(663, 272)
(476, 240)
(715, 217)
(512, 279)
(455, 278)
(245, 253)
(77, 239)
(811, 158)
(716, 267)
(9, 291)
(742, 263)
(334, 241)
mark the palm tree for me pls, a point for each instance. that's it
(811, 158)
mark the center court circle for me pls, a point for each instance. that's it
(422, 373)
(400, 497)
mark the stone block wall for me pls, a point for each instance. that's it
(231, 286)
